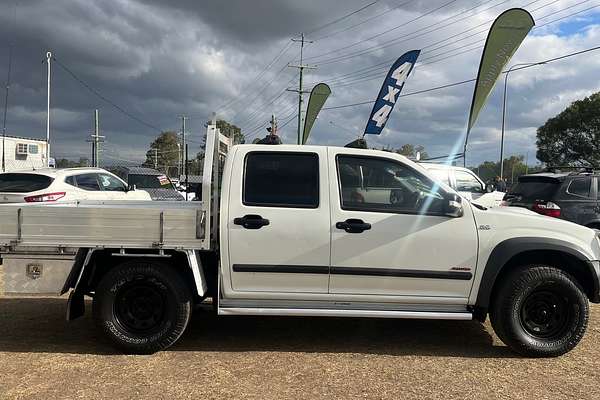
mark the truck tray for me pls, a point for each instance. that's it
(112, 224)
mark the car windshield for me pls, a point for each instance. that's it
(23, 183)
(535, 188)
(150, 181)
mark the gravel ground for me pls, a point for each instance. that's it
(44, 357)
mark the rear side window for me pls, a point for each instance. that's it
(277, 179)
(88, 182)
(580, 187)
(23, 183)
(536, 188)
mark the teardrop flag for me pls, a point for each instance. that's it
(318, 97)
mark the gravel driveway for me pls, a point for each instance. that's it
(44, 357)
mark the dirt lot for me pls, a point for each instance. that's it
(44, 357)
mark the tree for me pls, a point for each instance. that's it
(573, 136)
(513, 168)
(411, 151)
(65, 163)
(164, 153)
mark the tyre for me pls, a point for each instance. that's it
(142, 307)
(539, 311)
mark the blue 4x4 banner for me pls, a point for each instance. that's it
(388, 95)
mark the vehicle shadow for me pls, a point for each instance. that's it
(34, 325)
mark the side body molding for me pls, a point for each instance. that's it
(509, 248)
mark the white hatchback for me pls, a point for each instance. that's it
(65, 185)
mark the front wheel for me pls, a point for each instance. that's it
(142, 307)
(540, 311)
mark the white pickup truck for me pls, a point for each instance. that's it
(307, 231)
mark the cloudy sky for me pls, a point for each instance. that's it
(157, 60)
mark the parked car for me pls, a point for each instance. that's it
(64, 185)
(466, 183)
(159, 185)
(573, 196)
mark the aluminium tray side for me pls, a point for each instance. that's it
(104, 224)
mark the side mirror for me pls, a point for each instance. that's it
(131, 188)
(489, 188)
(453, 207)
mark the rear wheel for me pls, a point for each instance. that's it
(142, 307)
(540, 311)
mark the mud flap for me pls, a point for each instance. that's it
(75, 306)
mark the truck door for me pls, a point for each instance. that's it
(400, 244)
(278, 222)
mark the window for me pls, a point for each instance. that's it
(580, 187)
(23, 183)
(33, 149)
(22, 148)
(150, 181)
(111, 184)
(466, 182)
(279, 179)
(88, 182)
(380, 185)
(71, 181)
(441, 175)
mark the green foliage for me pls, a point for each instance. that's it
(513, 168)
(164, 153)
(411, 151)
(573, 136)
(64, 163)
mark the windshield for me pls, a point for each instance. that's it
(151, 181)
(23, 183)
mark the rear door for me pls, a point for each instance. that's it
(532, 189)
(90, 185)
(278, 223)
(578, 202)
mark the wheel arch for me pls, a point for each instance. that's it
(516, 252)
(91, 265)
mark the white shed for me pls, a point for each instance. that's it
(22, 153)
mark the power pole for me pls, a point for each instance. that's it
(300, 90)
(156, 158)
(95, 140)
(182, 166)
(48, 58)
(6, 109)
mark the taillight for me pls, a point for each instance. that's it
(549, 208)
(40, 198)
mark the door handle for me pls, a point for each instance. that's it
(353, 225)
(251, 221)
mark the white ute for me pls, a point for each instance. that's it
(311, 231)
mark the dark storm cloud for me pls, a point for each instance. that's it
(159, 59)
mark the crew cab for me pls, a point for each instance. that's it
(308, 231)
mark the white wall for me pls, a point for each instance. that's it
(16, 162)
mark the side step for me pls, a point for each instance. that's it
(317, 312)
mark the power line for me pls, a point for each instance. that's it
(364, 21)
(375, 73)
(547, 61)
(104, 98)
(340, 19)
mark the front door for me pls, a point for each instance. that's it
(278, 222)
(390, 236)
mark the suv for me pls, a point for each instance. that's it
(159, 185)
(64, 185)
(573, 196)
(466, 183)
